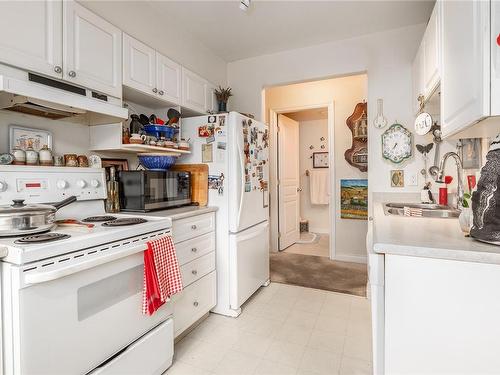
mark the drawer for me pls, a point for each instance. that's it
(198, 268)
(194, 302)
(191, 227)
(192, 249)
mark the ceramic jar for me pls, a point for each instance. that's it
(31, 156)
(71, 160)
(19, 156)
(83, 161)
(45, 156)
(59, 161)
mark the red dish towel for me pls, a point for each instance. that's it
(162, 276)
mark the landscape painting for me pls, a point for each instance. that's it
(354, 199)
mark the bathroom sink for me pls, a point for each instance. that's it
(420, 210)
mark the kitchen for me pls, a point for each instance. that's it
(83, 61)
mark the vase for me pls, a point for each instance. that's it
(465, 220)
(222, 106)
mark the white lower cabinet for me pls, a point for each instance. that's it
(441, 316)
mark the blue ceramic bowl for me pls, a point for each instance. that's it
(160, 131)
(157, 162)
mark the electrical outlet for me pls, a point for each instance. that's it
(412, 179)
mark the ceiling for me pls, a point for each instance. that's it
(309, 114)
(272, 26)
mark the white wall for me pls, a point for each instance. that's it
(310, 133)
(385, 56)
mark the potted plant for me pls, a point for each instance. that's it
(222, 95)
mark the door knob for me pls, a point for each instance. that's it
(57, 69)
(72, 73)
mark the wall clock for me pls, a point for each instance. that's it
(397, 144)
(320, 159)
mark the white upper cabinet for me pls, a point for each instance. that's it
(168, 78)
(418, 79)
(194, 92)
(431, 50)
(31, 36)
(495, 58)
(92, 50)
(465, 65)
(211, 104)
(139, 65)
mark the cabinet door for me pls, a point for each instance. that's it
(31, 36)
(431, 53)
(139, 70)
(168, 78)
(92, 50)
(418, 78)
(193, 91)
(495, 58)
(211, 104)
(465, 72)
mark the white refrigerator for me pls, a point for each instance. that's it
(236, 150)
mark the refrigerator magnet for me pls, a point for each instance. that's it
(248, 187)
(222, 120)
(207, 153)
(210, 139)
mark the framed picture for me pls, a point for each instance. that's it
(354, 199)
(207, 153)
(29, 137)
(119, 164)
(470, 150)
(320, 159)
(397, 178)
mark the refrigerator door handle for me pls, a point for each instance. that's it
(242, 181)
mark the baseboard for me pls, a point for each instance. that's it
(319, 230)
(351, 258)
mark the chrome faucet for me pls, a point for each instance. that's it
(440, 176)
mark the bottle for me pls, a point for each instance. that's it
(112, 202)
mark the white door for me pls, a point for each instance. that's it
(431, 53)
(92, 50)
(465, 73)
(248, 174)
(289, 180)
(193, 91)
(249, 263)
(495, 58)
(168, 78)
(31, 36)
(139, 65)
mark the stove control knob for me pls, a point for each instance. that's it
(94, 183)
(3, 186)
(62, 184)
(81, 184)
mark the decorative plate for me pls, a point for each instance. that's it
(397, 144)
(6, 159)
(423, 123)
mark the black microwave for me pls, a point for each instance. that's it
(154, 190)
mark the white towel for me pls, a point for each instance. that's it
(319, 186)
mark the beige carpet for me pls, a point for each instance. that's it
(319, 272)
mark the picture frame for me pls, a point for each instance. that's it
(397, 178)
(119, 164)
(354, 199)
(470, 153)
(23, 137)
(320, 159)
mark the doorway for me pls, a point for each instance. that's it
(304, 188)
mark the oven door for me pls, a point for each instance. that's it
(166, 189)
(71, 324)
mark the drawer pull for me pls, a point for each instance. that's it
(193, 227)
(194, 272)
(195, 303)
(194, 249)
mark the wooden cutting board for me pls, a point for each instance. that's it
(199, 181)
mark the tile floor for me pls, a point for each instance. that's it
(282, 330)
(319, 248)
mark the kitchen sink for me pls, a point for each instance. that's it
(421, 210)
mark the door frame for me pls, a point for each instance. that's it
(273, 171)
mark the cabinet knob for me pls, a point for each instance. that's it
(194, 272)
(195, 303)
(498, 39)
(161, 92)
(194, 249)
(57, 69)
(72, 73)
(193, 227)
(155, 90)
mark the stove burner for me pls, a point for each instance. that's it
(96, 219)
(44, 237)
(124, 221)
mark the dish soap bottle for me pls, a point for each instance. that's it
(112, 202)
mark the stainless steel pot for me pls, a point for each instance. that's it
(20, 219)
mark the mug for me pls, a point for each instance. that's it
(70, 160)
(59, 161)
(83, 161)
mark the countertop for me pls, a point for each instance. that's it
(425, 237)
(180, 213)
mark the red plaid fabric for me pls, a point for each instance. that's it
(162, 276)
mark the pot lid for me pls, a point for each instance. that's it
(19, 207)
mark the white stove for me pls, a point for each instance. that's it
(70, 305)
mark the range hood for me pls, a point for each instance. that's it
(37, 95)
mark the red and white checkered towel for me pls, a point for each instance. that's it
(162, 276)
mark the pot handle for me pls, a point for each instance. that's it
(64, 202)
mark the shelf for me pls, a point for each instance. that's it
(137, 149)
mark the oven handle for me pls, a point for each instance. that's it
(41, 277)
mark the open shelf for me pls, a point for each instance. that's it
(137, 149)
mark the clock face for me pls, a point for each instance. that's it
(423, 123)
(397, 144)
